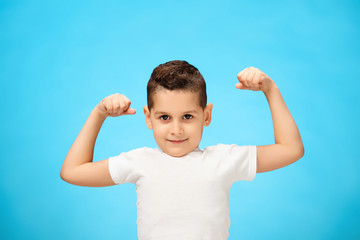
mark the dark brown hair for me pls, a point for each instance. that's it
(176, 75)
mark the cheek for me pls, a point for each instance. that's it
(159, 130)
(196, 130)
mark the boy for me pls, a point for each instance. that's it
(183, 191)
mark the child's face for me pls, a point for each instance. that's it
(177, 120)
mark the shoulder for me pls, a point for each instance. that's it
(143, 150)
(225, 150)
(138, 153)
(224, 147)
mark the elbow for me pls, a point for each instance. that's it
(295, 153)
(300, 152)
(64, 175)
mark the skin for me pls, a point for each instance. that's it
(288, 146)
(177, 134)
(177, 121)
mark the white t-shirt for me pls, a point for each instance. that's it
(185, 197)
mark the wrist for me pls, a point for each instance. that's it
(272, 88)
(96, 112)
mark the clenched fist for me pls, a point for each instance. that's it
(254, 79)
(115, 105)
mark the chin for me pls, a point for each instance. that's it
(176, 153)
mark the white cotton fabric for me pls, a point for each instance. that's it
(184, 198)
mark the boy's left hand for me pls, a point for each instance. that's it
(254, 79)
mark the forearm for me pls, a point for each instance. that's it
(288, 146)
(285, 130)
(83, 147)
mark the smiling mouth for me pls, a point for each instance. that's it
(177, 141)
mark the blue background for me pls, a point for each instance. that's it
(59, 59)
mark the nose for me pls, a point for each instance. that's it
(176, 128)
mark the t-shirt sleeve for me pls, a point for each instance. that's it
(244, 160)
(124, 168)
(238, 163)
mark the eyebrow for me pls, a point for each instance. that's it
(165, 113)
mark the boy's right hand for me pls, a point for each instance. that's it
(115, 105)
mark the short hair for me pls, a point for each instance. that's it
(176, 75)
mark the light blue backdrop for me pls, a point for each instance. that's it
(59, 59)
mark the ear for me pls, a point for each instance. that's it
(147, 117)
(207, 114)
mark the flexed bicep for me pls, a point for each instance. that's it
(275, 156)
(92, 174)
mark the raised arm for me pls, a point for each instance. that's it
(78, 167)
(288, 147)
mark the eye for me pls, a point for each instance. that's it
(188, 116)
(164, 117)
